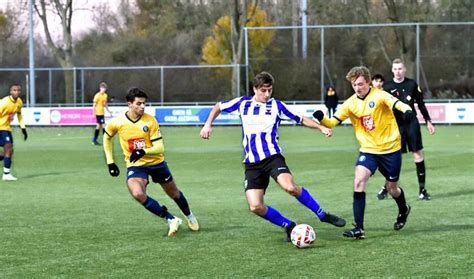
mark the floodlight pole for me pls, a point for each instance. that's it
(304, 30)
(31, 48)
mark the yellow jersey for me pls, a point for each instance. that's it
(8, 108)
(138, 134)
(373, 120)
(100, 101)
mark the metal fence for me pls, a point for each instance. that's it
(325, 54)
(439, 56)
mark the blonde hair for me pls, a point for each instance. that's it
(397, 61)
(103, 84)
(358, 71)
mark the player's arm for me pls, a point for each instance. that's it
(22, 124)
(109, 154)
(424, 111)
(207, 129)
(325, 121)
(408, 113)
(308, 122)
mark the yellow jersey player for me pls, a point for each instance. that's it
(9, 106)
(370, 112)
(100, 105)
(142, 146)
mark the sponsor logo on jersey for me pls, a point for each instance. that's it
(138, 143)
(367, 122)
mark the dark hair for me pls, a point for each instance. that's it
(13, 84)
(378, 76)
(135, 92)
(262, 79)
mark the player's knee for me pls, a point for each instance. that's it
(138, 195)
(293, 190)
(258, 209)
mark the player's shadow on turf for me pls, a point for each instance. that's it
(386, 232)
(48, 174)
(454, 194)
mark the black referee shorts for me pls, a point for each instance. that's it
(257, 175)
(411, 136)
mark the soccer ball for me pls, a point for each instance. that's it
(303, 235)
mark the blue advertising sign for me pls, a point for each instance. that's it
(191, 115)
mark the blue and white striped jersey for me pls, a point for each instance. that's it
(260, 123)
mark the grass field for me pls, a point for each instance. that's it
(66, 217)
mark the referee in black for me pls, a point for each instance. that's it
(408, 91)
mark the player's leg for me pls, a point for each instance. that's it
(286, 182)
(366, 165)
(99, 126)
(256, 182)
(257, 206)
(421, 175)
(137, 183)
(415, 145)
(7, 141)
(390, 166)
(162, 175)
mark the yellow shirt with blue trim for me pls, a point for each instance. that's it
(138, 134)
(8, 108)
(100, 101)
(373, 120)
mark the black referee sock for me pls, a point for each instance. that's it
(358, 207)
(421, 173)
(401, 202)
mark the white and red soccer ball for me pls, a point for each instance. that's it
(303, 235)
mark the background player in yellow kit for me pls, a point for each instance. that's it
(370, 112)
(142, 146)
(100, 105)
(9, 106)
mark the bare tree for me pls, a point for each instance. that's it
(62, 50)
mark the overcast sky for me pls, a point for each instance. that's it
(82, 19)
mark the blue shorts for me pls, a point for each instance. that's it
(389, 164)
(100, 119)
(159, 173)
(5, 137)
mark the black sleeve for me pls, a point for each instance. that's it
(418, 95)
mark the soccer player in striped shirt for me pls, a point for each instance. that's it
(142, 146)
(261, 116)
(9, 106)
(371, 115)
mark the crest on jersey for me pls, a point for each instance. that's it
(367, 122)
(371, 104)
(145, 128)
(408, 98)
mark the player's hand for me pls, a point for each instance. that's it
(326, 131)
(113, 169)
(136, 155)
(318, 115)
(431, 128)
(25, 134)
(408, 115)
(206, 132)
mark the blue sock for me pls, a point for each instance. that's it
(154, 207)
(183, 204)
(307, 200)
(7, 162)
(276, 218)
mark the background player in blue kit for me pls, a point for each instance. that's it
(261, 116)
